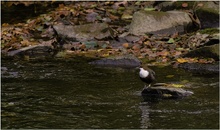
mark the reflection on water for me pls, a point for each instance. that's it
(145, 119)
(73, 94)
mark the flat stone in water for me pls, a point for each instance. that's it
(165, 91)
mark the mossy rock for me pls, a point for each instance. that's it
(208, 14)
(205, 52)
(164, 91)
(210, 31)
(203, 69)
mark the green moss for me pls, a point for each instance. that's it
(208, 10)
(157, 15)
(209, 31)
(154, 13)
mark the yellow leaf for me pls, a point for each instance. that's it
(177, 85)
(170, 76)
(167, 95)
(105, 55)
(181, 60)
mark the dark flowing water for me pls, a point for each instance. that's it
(73, 94)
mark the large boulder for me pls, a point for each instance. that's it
(207, 11)
(83, 32)
(160, 22)
(209, 14)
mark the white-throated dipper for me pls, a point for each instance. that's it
(146, 75)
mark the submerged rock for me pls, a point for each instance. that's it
(160, 22)
(163, 90)
(124, 62)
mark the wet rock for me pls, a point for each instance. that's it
(209, 14)
(83, 32)
(205, 52)
(214, 40)
(131, 39)
(36, 51)
(200, 68)
(162, 90)
(124, 62)
(160, 22)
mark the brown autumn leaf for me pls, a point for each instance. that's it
(136, 47)
(125, 45)
(174, 35)
(184, 5)
(113, 17)
(118, 4)
(202, 61)
(152, 54)
(192, 60)
(82, 47)
(25, 43)
(163, 53)
(200, 4)
(164, 59)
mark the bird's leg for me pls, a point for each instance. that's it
(145, 86)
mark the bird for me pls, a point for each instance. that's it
(147, 75)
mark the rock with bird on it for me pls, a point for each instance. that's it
(165, 91)
(159, 90)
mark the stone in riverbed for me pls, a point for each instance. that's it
(35, 51)
(201, 68)
(163, 90)
(83, 32)
(205, 52)
(124, 62)
(160, 22)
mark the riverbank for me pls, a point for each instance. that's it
(87, 29)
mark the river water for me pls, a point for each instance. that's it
(73, 94)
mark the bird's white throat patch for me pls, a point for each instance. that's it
(143, 73)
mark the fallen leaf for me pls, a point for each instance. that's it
(184, 5)
(163, 53)
(149, 9)
(200, 4)
(136, 47)
(126, 16)
(170, 76)
(177, 85)
(170, 41)
(181, 60)
(125, 45)
(167, 95)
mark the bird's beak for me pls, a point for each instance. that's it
(137, 68)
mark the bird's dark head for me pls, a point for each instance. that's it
(140, 66)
